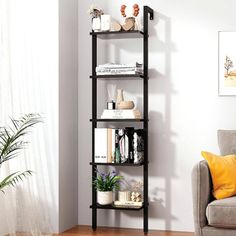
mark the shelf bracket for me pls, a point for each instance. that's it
(150, 11)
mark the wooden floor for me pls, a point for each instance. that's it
(102, 231)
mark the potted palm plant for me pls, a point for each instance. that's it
(105, 183)
(11, 142)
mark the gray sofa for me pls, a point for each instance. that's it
(213, 217)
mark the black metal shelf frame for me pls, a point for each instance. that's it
(148, 13)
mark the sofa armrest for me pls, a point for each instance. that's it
(201, 191)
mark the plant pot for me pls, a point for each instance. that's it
(96, 24)
(104, 198)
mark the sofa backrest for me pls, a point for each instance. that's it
(227, 141)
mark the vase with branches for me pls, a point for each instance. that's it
(11, 142)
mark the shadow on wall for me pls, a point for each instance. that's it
(162, 149)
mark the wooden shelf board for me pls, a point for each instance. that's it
(112, 207)
(118, 120)
(118, 34)
(117, 77)
(116, 164)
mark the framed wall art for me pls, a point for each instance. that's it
(227, 62)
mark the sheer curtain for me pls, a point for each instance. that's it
(29, 84)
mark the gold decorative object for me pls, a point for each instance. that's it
(126, 105)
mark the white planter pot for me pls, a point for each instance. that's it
(96, 24)
(104, 198)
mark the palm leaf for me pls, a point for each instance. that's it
(10, 137)
(13, 179)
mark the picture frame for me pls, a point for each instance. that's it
(227, 63)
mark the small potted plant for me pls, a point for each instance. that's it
(105, 183)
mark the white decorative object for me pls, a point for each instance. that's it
(96, 25)
(104, 198)
(124, 196)
(105, 22)
(136, 197)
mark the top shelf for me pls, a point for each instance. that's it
(118, 34)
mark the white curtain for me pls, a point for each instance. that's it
(29, 84)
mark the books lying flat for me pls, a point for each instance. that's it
(121, 73)
(124, 69)
(118, 66)
(128, 204)
(121, 114)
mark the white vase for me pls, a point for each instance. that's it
(104, 198)
(96, 24)
(105, 22)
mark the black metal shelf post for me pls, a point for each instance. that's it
(117, 35)
(94, 125)
(146, 10)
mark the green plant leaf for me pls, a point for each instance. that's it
(10, 137)
(13, 179)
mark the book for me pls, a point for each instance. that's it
(113, 148)
(121, 137)
(116, 65)
(120, 73)
(117, 148)
(138, 145)
(101, 144)
(110, 145)
(121, 114)
(128, 204)
(113, 69)
(129, 150)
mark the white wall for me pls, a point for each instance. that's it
(68, 114)
(184, 107)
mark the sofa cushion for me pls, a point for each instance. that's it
(222, 213)
(227, 141)
(223, 174)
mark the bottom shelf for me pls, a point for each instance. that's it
(113, 207)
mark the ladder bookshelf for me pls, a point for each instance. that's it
(147, 14)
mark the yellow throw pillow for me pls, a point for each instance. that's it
(223, 173)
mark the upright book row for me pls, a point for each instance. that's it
(119, 145)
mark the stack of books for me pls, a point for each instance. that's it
(122, 69)
(119, 145)
(121, 114)
(128, 204)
